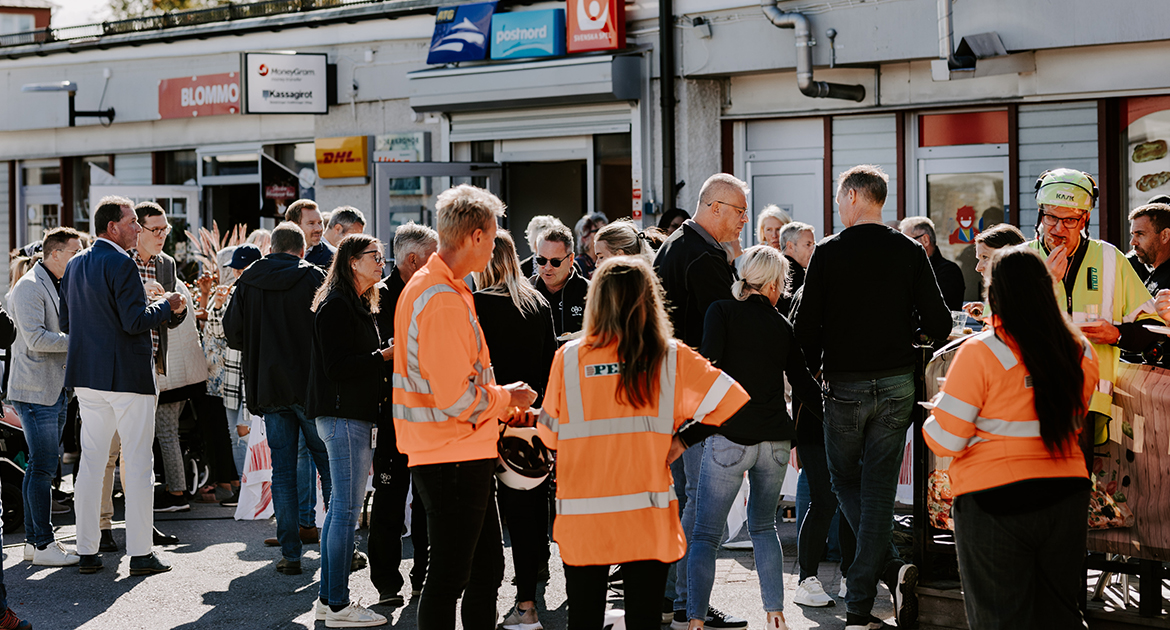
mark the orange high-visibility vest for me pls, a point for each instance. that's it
(615, 496)
(986, 418)
(446, 399)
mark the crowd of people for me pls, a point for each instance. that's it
(656, 367)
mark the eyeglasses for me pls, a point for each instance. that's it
(555, 262)
(378, 257)
(920, 237)
(740, 209)
(1069, 223)
(159, 231)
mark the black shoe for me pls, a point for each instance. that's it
(167, 502)
(863, 622)
(667, 609)
(391, 599)
(233, 500)
(148, 564)
(90, 564)
(718, 619)
(164, 539)
(905, 598)
(107, 544)
(359, 561)
(288, 567)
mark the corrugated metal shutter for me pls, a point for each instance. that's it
(867, 140)
(4, 210)
(133, 169)
(541, 123)
(1052, 136)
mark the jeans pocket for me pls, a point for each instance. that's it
(842, 416)
(896, 411)
(725, 452)
(781, 452)
(327, 428)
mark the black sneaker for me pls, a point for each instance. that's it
(905, 598)
(718, 619)
(863, 622)
(667, 610)
(233, 500)
(167, 502)
(148, 564)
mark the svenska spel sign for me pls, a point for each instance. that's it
(596, 25)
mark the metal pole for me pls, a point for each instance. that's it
(666, 85)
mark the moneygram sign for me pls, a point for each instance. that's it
(528, 34)
(204, 95)
(596, 25)
(285, 83)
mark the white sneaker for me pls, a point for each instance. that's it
(843, 592)
(526, 620)
(29, 551)
(54, 556)
(811, 593)
(353, 616)
(320, 610)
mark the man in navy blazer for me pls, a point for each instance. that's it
(109, 365)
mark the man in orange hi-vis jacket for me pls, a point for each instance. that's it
(447, 408)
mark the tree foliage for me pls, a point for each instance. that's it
(127, 9)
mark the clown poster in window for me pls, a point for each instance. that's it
(962, 205)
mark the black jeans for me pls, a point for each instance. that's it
(1022, 571)
(466, 552)
(645, 583)
(391, 483)
(213, 432)
(418, 538)
(814, 531)
(526, 512)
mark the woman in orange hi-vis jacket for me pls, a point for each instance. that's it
(1010, 412)
(621, 404)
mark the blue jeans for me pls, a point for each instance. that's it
(285, 427)
(350, 458)
(307, 486)
(865, 436)
(720, 478)
(43, 425)
(690, 463)
(239, 443)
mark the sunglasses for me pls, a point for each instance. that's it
(555, 262)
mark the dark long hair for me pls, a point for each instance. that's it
(625, 305)
(1021, 296)
(341, 273)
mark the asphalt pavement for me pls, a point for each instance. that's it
(224, 577)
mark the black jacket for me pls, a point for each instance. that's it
(755, 345)
(950, 280)
(268, 320)
(866, 292)
(568, 304)
(522, 345)
(694, 274)
(347, 376)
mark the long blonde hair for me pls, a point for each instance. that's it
(762, 265)
(502, 276)
(625, 305)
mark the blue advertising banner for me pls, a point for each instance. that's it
(461, 33)
(528, 34)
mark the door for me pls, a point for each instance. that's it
(964, 196)
(797, 187)
(407, 191)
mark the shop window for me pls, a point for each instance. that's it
(179, 168)
(612, 164)
(42, 175)
(1146, 122)
(231, 164)
(81, 181)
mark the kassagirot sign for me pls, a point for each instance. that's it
(285, 83)
(204, 95)
(596, 25)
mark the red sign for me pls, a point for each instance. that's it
(205, 95)
(596, 25)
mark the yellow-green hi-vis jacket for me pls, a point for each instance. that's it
(1106, 278)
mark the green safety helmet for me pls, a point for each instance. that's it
(1067, 188)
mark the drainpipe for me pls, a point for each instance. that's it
(946, 39)
(804, 44)
(666, 87)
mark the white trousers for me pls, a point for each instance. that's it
(132, 417)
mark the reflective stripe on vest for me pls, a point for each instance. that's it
(1006, 357)
(578, 427)
(414, 382)
(1108, 287)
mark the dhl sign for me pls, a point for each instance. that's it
(343, 157)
